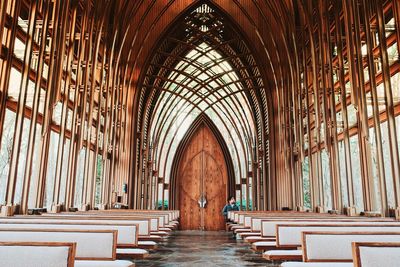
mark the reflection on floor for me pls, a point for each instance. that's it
(197, 248)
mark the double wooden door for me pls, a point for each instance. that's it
(203, 180)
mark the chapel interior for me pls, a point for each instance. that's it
(133, 123)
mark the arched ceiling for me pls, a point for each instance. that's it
(202, 66)
(231, 64)
(266, 25)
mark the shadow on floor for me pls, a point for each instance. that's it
(203, 248)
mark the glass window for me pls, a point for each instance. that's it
(352, 115)
(306, 183)
(99, 180)
(395, 81)
(79, 177)
(19, 49)
(376, 193)
(370, 110)
(356, 172)
(22, 161)
(343, 175)
(51, 169)
(35, 167)
(57, 111)
(387, 165)
(326, 179)
(64, 170)
(393, 53)
(5, 151)
(15, 84)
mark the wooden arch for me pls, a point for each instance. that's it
(200, 120)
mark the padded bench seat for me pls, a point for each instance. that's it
(159, 233)
(147, 244)
(281, 255)
(317, 264)
(155, 238)
(244, 235)
(116, 263)
(252, 239)
(242, 230)
(133, 253)
(267, 245)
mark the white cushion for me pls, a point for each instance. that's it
(293, 252)
(159, 233)
(117, 263)
(319, 246)
(380, 256)
(147, 243)
(132, 251)
(254, 237)
(264, 243)
(317, 264)
(44, 256)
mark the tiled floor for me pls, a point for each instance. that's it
(196, 248)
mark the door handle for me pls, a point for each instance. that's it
(202, 201)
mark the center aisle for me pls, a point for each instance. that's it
(198, 248)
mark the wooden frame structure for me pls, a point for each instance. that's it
(80, 82)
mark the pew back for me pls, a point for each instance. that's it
(372, 254)
(44, 254)
(127, 234)
(90, 244)
(291, 235)
(143, 224)
(337, 246)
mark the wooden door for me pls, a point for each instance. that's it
(202, 172)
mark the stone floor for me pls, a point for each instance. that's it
(197, 248)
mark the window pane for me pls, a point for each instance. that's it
(64, 171)
(356, 172)
(306, 183)
(343, 176)
(99, 180)
(79, 177)
(326, 177)
(375, 175)
(5, 151)
(387, 165)
(22, 161)
(35, 168)
(51, 169)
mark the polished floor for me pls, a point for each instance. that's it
(197, 248)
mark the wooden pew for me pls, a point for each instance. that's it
(93, 247)
(145, 239)
(172, 216)
(326, 248)
(155, 234)
(44, 254)
(144, 224)
(164, 223)
(290, 237)
(256, 224)
(269, 229)
(374, 254)
(127, 236)
(153, 221)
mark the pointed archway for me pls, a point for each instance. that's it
(201, 176)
